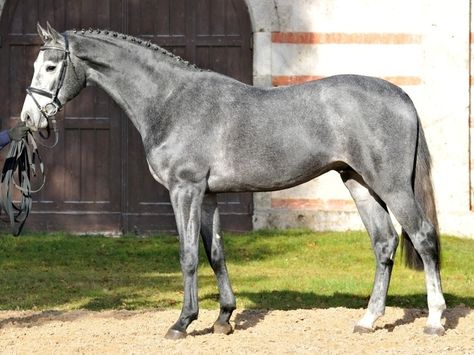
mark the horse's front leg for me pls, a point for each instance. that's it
(186, 199)
(214, 246)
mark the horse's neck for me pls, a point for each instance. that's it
(138, 79)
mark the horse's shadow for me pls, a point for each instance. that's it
(45, 317)
(452, 317)
(248, 318)
(280, 300)
(38, 319)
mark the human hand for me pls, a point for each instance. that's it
(18, 132)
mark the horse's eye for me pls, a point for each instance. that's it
(50, 68)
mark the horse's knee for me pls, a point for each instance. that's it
(189, 264)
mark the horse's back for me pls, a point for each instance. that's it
(285, 136)
(272, 138)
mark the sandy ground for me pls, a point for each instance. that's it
(321, 331)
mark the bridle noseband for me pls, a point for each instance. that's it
(53, 107)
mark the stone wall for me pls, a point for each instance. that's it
(421, 45)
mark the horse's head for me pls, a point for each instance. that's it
(57, 79)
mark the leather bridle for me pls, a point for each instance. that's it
(54, 106)
(50, 109)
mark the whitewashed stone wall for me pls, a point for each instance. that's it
(421, 45)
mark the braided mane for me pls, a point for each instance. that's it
(146, 44)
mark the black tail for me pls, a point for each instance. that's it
(424, 194)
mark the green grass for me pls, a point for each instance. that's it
(268, 269)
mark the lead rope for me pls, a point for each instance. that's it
(22, 160)
(51, 122)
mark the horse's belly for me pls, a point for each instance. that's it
(255, 176)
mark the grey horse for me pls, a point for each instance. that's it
(205, 133)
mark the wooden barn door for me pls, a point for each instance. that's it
(98, 180)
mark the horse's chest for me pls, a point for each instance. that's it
(157, 176)
(157, 169)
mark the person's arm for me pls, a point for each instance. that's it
(4, 138)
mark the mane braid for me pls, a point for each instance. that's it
(146, 44)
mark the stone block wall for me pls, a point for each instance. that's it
(422, 46)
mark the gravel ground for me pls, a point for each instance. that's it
(321, 331)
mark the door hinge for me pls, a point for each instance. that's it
(251, 41)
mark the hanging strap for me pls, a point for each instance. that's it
(24, 161)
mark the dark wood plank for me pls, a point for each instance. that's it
(177, 17)
(232, 19)
(88, 14)
(59, 7)
(103, 14)
(17, 21)
(103, 174)
(233, 63)
(162, 18)
(31, 17)
(88, 174)
(218, 15)
(148, 16)
(218, 59)
(203, 23)
(17, 79)
(70, 221)
(134, 22)
(72, 166)
(73, 14)
(202, 59)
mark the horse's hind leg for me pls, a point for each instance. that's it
(210, 229)
(376, 219)
(423, 235)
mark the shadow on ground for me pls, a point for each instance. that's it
(287, 300)
(264, 302)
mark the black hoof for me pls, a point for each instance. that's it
(175, 334)
(222, 328)
(439, 331)
(362, 330)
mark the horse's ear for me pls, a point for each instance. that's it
(44, 35)
(52, 32)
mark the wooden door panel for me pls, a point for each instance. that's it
(97, 176)
(82, 192)
(215, 38)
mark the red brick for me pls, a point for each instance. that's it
(313, 204)
(345, 38)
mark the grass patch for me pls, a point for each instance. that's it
(268, 269)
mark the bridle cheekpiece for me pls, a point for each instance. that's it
(54, 106)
